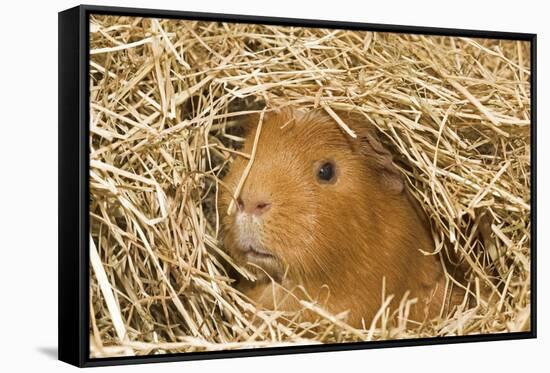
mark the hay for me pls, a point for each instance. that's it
(164, 97)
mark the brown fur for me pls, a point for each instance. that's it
(334, 241)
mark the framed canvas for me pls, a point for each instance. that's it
(233, 186)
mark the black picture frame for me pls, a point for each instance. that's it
(73, 111)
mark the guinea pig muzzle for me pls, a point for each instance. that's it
(249, 236)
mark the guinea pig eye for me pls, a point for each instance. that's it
(326, 172)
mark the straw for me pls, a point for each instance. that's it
(166, 97)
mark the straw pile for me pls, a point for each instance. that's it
(165, 95)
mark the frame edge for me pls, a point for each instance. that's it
(305, 22)
(534, 244)
(70, 297)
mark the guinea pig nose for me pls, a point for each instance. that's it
(255, 207)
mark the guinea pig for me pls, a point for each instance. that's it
(329, 216)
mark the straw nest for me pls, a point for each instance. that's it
(164, 97)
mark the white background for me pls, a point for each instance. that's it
(28, 184)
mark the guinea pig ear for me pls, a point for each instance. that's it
(368, 144)
(382, 161)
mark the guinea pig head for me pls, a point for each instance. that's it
(313, 196)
